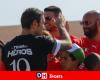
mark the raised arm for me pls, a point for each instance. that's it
(66, 41)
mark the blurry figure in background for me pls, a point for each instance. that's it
(72, 61)
(91, 26)
(2, 67)
(92, 62)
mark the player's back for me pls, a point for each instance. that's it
(25, 53)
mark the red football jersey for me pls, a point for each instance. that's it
(2, 67)
(53, 64)
(88, 45)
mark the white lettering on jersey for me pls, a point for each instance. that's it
(21, 50)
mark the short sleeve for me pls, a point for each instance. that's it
(48, 45)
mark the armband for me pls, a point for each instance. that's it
(77, 52)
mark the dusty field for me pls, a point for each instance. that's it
(9, 32)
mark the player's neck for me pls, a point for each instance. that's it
(26, 32)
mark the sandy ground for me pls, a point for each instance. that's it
(9, 32)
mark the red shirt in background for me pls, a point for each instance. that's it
(54, 63)
(88, 45)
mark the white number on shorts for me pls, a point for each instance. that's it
(16, 66)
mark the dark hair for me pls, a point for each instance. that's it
(54, 9)
(29, 15)
(91, 60)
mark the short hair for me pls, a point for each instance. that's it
(92, 12)
(91, 61)
(29, 15)
(54, 9)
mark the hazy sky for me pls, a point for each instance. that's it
(11, 10)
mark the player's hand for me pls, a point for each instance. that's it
(60, 21)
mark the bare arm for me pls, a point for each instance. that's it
(66, 41)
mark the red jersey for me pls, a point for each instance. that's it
(88, 45)
(53, 64)
(2, 66)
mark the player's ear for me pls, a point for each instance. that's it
(34, 23)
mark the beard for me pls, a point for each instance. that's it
(91, 32)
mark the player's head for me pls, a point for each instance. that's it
(91, 24)
(92, 61)
(54, 10)
(50, 14)
(72, 60)
(32, 19)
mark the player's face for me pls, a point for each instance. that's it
(66, 62)
(90, 26)
(49, 20)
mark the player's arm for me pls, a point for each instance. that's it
(55, 46)
(66, 41)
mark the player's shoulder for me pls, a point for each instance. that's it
(10, 42)
(30, 36)
(86, 40)
(43, 37)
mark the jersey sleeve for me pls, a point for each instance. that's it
(48, 45)
(76, 40)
